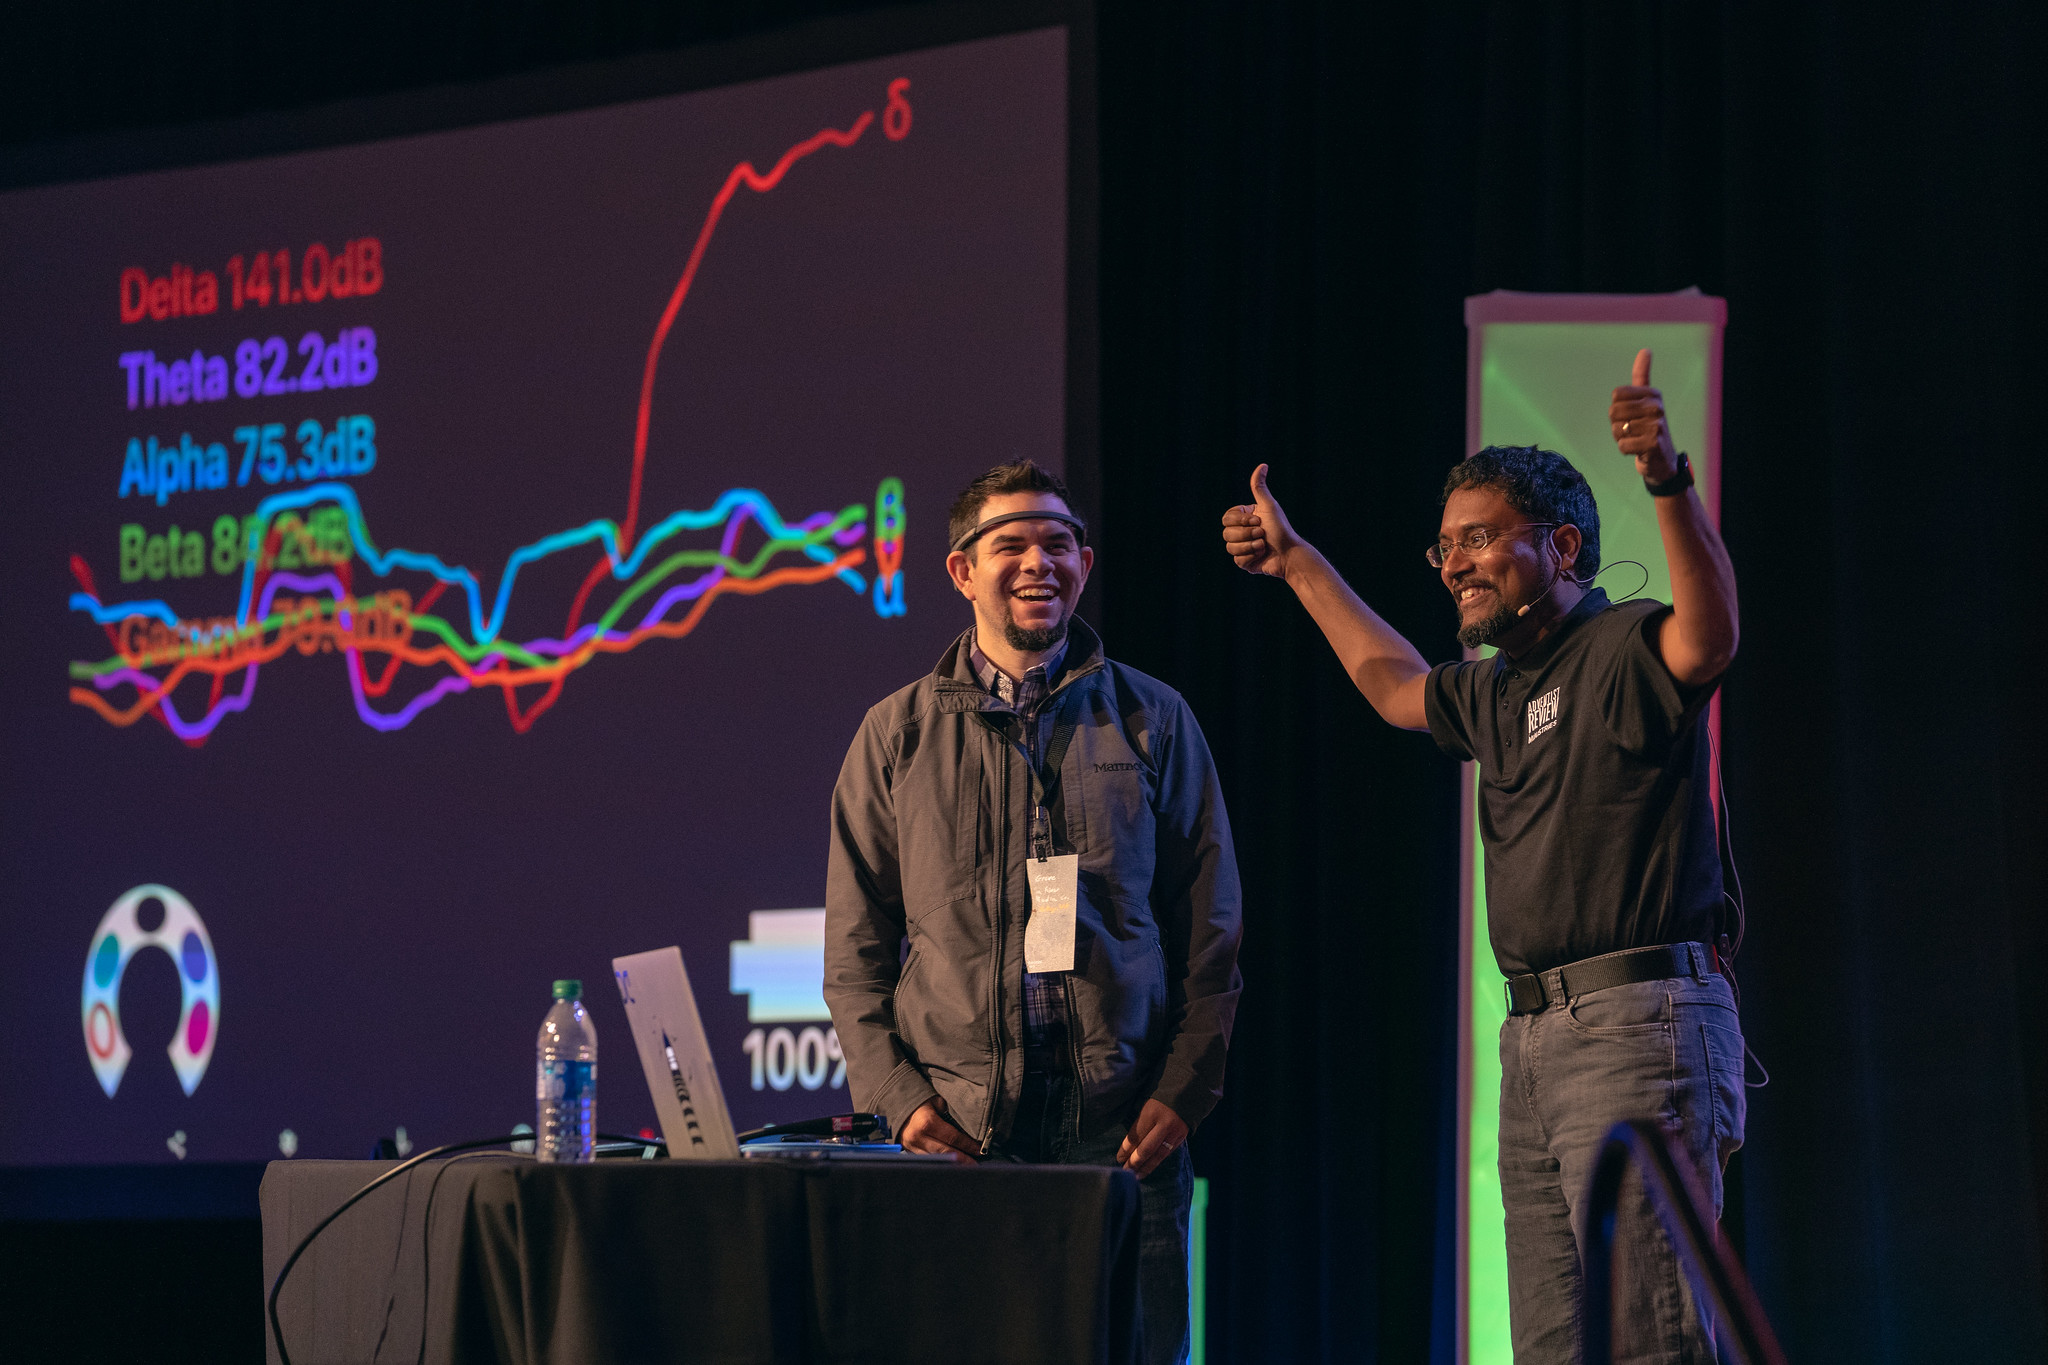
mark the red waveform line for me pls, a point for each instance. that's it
(742, 174)
(382, 685)
(522, 723)
(814, 573)
(82, 571)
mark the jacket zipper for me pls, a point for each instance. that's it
(1067, 983)
(1074, 1055)
(995, 1023)
(995, 1093)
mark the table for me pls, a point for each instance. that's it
(497, 1258)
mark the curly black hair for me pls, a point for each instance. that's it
(1542, 486)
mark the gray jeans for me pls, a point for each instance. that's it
(1667, 1050)
(1045, 1131)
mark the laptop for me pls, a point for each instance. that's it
(669, 1035)
(681, 1075)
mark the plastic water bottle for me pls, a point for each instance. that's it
(567, 1087)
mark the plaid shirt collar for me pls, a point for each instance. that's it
(1021, 694)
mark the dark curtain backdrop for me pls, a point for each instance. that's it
(1295, 200)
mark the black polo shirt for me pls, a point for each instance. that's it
(1594, 804)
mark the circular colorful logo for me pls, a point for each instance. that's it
(119, 937)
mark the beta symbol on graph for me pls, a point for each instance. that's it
(114, 944)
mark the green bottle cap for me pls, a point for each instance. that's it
(568, 990)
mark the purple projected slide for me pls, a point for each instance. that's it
(434, 567)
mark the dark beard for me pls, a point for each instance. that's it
(1490, 628)
(1033, 641)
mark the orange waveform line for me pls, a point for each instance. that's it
(277, 648)
(498, 674)
(85, 696)
(673, 630)
(82, 571)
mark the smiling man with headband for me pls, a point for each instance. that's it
(1031, 919)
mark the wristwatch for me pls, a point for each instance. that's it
(1674, 485)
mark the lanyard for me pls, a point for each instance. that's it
(1045, 776)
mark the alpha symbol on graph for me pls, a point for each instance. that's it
(119, 937)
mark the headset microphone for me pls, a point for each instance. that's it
(1548, 588)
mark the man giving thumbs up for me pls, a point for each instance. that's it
(1603, 872)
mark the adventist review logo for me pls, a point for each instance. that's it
(120, 936)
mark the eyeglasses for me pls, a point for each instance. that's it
(1477, 539)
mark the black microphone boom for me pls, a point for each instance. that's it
(1547, 589)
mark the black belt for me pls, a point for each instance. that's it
(1527, 994)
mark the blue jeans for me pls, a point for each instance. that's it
(1048, 1130)
(1670, 1051)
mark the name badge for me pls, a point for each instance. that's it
(1049, 933)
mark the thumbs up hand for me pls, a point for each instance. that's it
(1637, 416)
(1257, 534)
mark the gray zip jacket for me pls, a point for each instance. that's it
(930, 830)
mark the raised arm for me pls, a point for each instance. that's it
(1698, 640)
(1384, 665)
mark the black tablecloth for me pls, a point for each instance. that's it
(497, 1258)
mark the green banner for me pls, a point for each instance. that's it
(1548, 383)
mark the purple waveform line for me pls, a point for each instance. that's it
(180, 727)
(682, 592)
(204, 726)
(569, 646)
(385, 722)
(728, 542)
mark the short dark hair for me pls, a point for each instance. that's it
(1019, 476)
(1542, 486)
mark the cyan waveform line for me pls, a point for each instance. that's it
(736, 506)
(604, 530)
(484, 631)
(121, 611)
(533, 653)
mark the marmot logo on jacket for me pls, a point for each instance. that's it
(1116, 767)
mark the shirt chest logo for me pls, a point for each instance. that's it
(1543, 713)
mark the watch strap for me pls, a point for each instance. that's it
(1677, 483)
